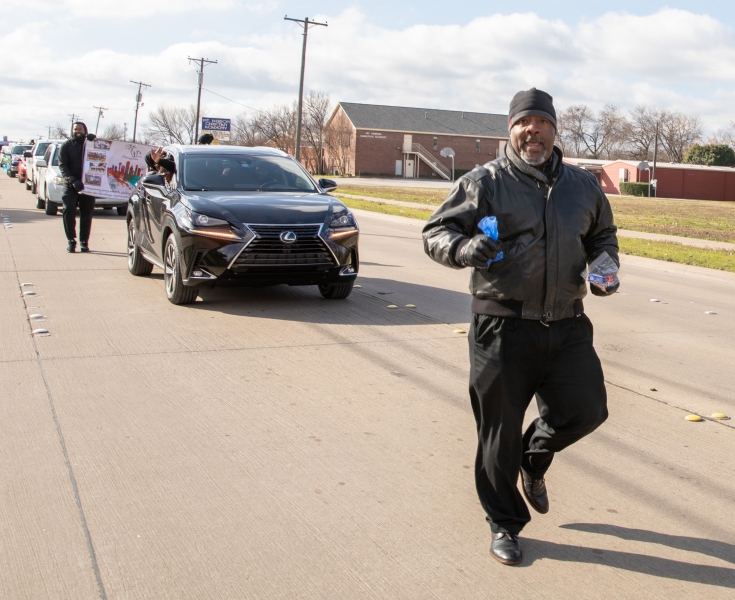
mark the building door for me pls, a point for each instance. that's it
(399, 168)
(407, 143)
(409, 167)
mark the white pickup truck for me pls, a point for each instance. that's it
(38, 150)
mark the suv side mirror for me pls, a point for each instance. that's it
(154, 179)
(41, 163)
(327, 185)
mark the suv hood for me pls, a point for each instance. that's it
(258, 207)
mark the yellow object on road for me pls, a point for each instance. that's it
(719, 416)
(693, 418)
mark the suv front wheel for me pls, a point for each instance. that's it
(176, 291)
(338, 291)
(137, 265)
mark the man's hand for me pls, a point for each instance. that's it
(599, 291)
(157, 154)
(478, 251)
(91, 137)
(78, 185)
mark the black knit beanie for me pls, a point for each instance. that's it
(531, 103)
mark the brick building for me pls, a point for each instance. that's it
(396, 141)
(696, 182)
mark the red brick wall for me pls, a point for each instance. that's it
(376, 152)
(695, 184)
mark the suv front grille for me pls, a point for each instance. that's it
(267, 252)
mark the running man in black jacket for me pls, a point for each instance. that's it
(529, 334)
(71, 158)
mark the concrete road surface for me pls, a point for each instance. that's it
(272, 444)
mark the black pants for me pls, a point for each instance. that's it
(510, 361)
(71, 198)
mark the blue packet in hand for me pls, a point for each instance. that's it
(489, 226)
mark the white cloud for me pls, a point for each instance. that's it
(129, 9)
(674, 59)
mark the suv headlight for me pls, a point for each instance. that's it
(200, 224)
(342, 225)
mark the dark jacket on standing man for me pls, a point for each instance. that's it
(551, 224)
(71, 159)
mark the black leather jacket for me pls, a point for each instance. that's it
(71, 159)
(548, 234)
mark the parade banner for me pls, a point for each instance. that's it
(112, 169)
(219, 128)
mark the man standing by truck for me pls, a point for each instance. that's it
(71, 158)
(529, 334)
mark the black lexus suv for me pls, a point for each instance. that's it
(249, 215)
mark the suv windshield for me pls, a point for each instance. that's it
(20, 149)
(41, 148)
(243, 172)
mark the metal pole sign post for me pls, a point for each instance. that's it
(202, 62)
(219, 128)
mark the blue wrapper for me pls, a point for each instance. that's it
(489, 226)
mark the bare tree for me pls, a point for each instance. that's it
(339, 142)
(278, 126)
(316, 112)
(724, 136)
(245, 131)
(113, 132)
(58, 132)
(581, 132)
(640, 132)
(678, 132)
(171, 125)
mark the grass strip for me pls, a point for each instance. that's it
(388, 209)
(418, 195)
(723, 260)
(703, 219)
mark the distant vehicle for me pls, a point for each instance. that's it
(22, 166)
(248, 215)
(51, 184)
(16, 153)
(31, 169)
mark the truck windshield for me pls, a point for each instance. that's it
(244, 172)
(41, 148)
(21, 149)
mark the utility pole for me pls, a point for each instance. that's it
(138, 103)
(49, 132)
(125, 132)
(200, 79)
(655, 156)
(71, 127)
(99, 114)
(305, 24)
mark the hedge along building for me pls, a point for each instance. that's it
(673, 180)
(397, 141)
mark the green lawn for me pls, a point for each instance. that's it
(723, 260)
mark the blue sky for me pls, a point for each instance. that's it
(457, 55)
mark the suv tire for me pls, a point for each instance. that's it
(338, 291)
(176, 291)
(51, 207)
(137, 265)
(122, 210)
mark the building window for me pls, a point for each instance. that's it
(477, 146)
(436, 143)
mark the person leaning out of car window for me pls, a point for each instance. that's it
(158, 162)
(71, 158)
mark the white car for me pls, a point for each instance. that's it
(38, 151)
(51, 184)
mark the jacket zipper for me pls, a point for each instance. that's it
(547, 313)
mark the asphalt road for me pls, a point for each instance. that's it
(272, 444)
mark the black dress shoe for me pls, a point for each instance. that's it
(506, 548)
(535, 492)
(71, 246)
(84, 248)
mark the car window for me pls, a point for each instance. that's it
(55, 159)
(41, 148)
(244, 172)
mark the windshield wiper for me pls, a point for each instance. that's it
(197, 189)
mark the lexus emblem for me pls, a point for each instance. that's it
(288, 237)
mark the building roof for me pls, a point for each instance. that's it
(425, 120)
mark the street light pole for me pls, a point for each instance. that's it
(655, 156)
(200, 80)
(305, 24)
(138, 103)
